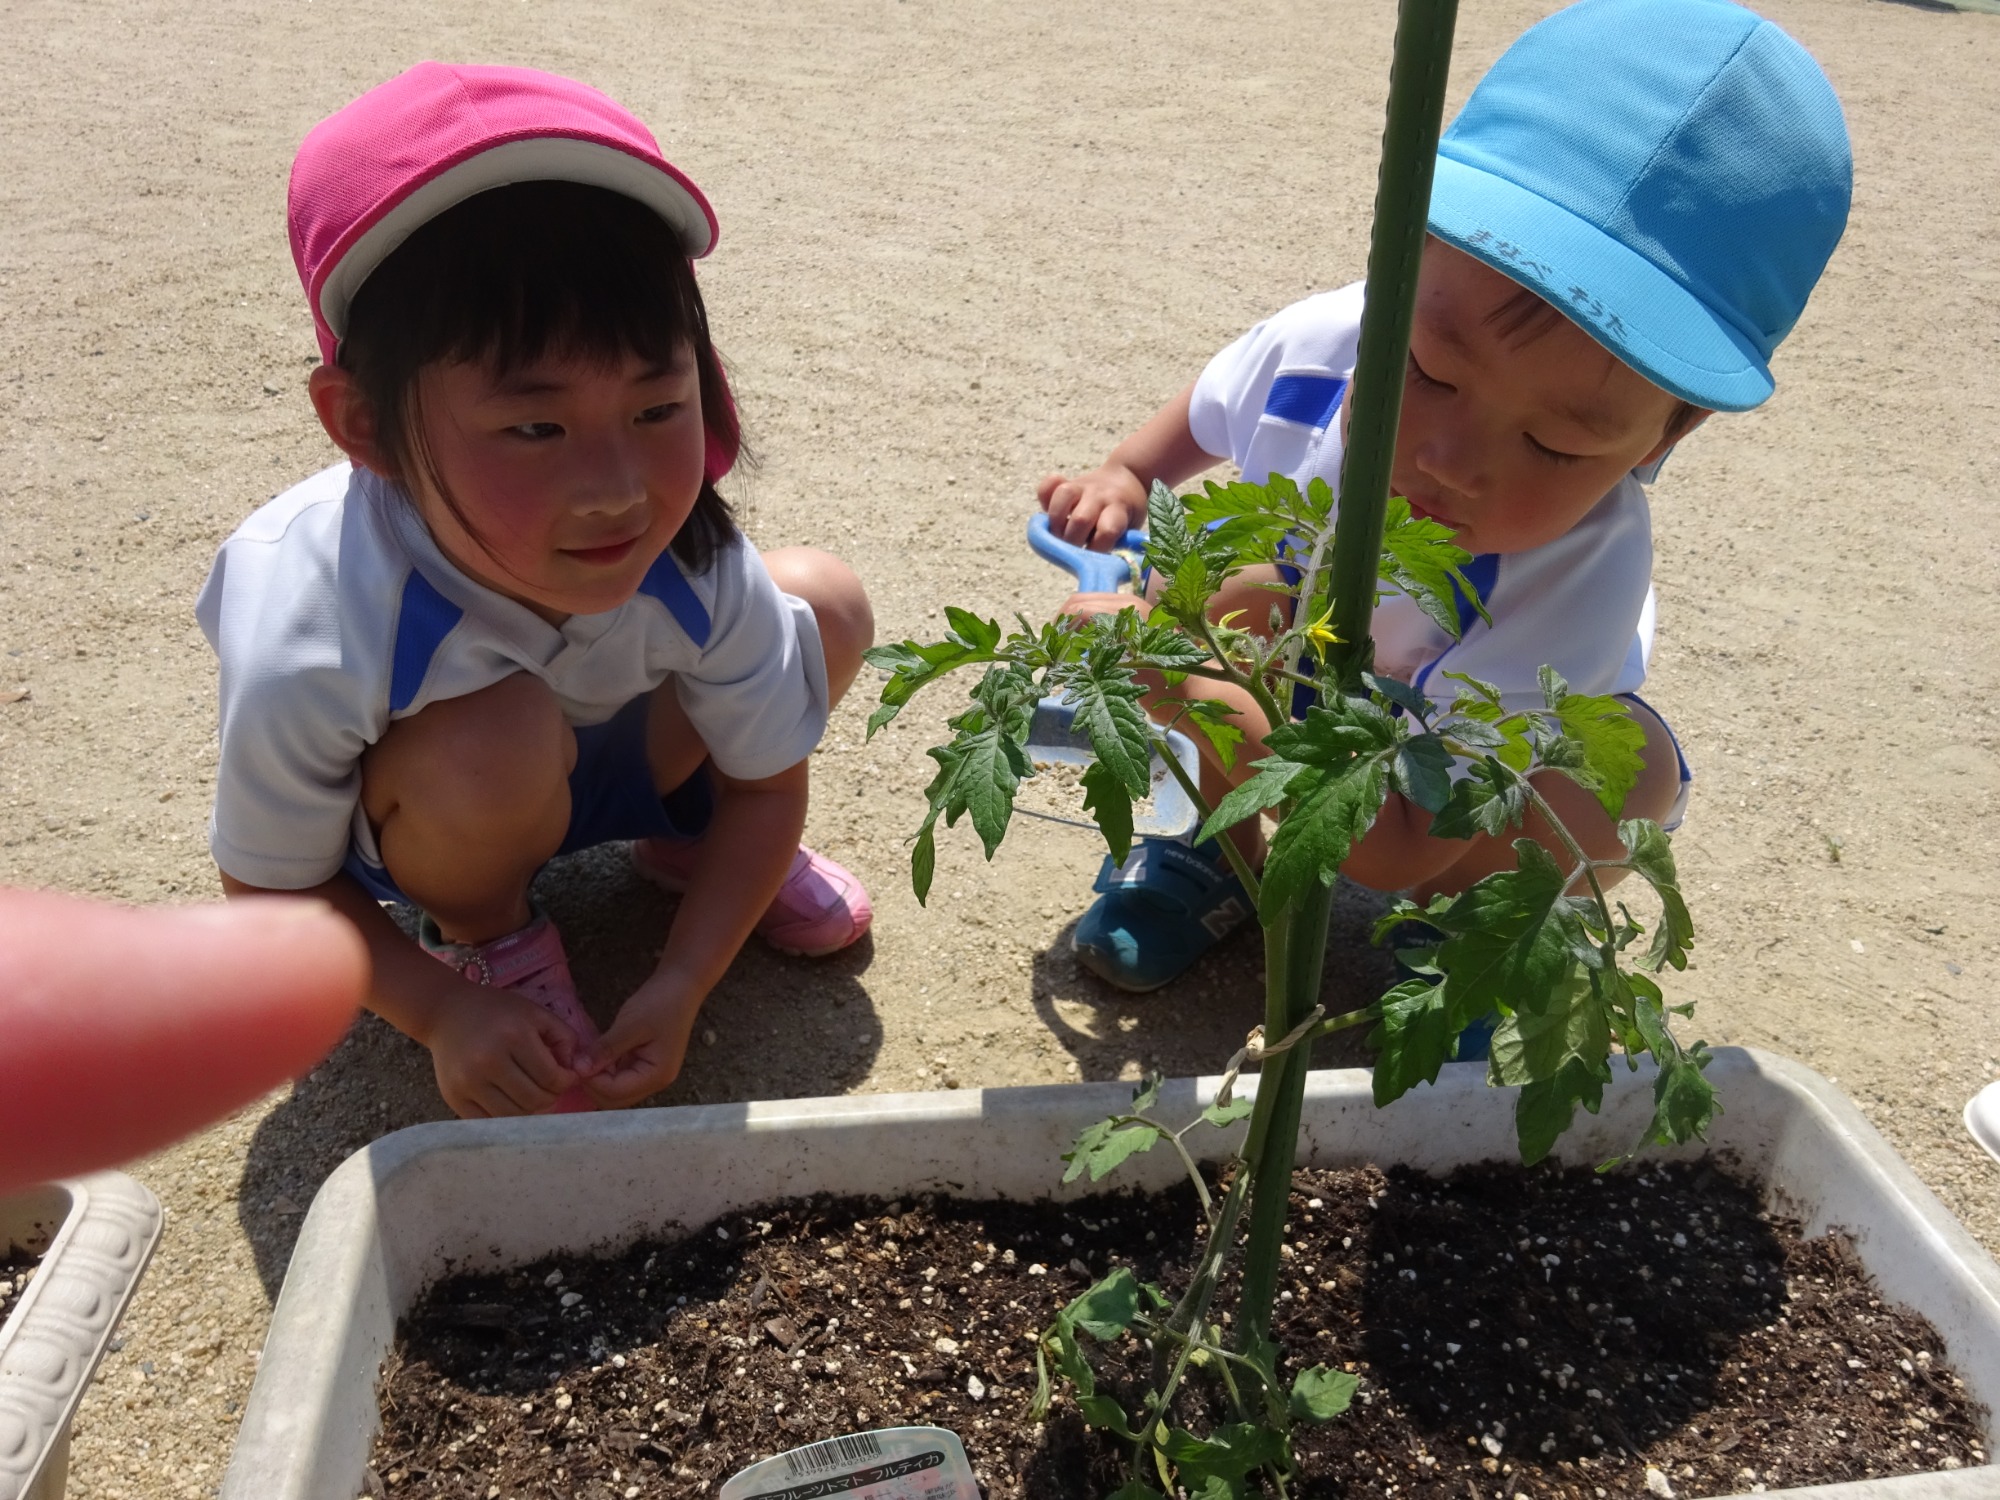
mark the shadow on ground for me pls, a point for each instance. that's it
(1195, 1024)
(775, 1028)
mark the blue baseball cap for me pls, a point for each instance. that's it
(1671, 174)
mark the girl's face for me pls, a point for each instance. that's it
(570, 477)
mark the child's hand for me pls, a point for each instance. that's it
(1096, 509)
(1081, 606)
(499, 1053)
(643, 1051)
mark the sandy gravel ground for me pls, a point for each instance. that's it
(963, 244)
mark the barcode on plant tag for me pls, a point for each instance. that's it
(834, 1451)
(888, 1463)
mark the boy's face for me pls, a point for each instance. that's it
(1511, 437)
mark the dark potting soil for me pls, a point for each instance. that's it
(1518, 1334)
(17, 1269)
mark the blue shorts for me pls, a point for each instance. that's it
(611, 797)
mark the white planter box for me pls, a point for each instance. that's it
(96, 1234)
(484, 1195)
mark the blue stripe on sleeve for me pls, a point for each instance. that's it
(423, 620)
(1307, 399)
(666, 583)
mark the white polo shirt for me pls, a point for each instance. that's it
(1270, 403)
(333, 614)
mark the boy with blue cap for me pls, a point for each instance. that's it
(1627, 218)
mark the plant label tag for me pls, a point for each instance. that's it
(892, 1463)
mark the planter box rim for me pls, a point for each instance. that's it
(569, 1183)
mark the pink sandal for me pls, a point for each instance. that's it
(530, 962)
(820, 909)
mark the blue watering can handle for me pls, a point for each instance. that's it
(1096, 572)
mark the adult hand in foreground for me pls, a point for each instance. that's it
(124, 1028)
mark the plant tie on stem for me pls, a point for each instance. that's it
(1254, 1050)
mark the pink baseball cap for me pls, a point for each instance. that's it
(370, 175)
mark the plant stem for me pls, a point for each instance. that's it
(1375, 402)
(1192, 1309)
(1294, 953)
(1295, 941)
(1272, 713)
(1173, 1137)
(1586, 866)
(1237, 862)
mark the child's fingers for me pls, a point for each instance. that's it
(562, 1057)
(636, 1076)
(126, 1028)
(1112, 524)
(1046, 488)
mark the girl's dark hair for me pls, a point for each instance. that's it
(527, 272)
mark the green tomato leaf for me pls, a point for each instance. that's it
(1231, 1451)
(1069, 1357)
(1683, 1100)
(1103, 1411)
(1543, 1110)
(1487, 800)
(923, 860)
(1165, 647)
(1475, 691)
(1106, 799)
(1535, 1044)
(1612, 742)
(978, 774)
(1147, 1094)
(1416, 1035)
(1651, 855)
(912, 664)
(1266, 788)
(1134, 1490)
(1554, 686)
(1420, 558)
(1329, 813)
(1038, 1404)
(1401, 694)
(1319, 1393)
(1421, 771)
(1221, 1115)
(1106, 696)
(1107, 1309)
(1102, 1147)
(1507, 942)
(968, 629)
(1217, 722)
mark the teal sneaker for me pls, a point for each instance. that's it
(1161, 910)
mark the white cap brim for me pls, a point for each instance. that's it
(543, 159)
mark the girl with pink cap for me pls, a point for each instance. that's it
(521, 620)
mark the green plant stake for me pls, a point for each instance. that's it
(1541, 944)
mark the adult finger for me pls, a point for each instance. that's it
(105, 1059)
